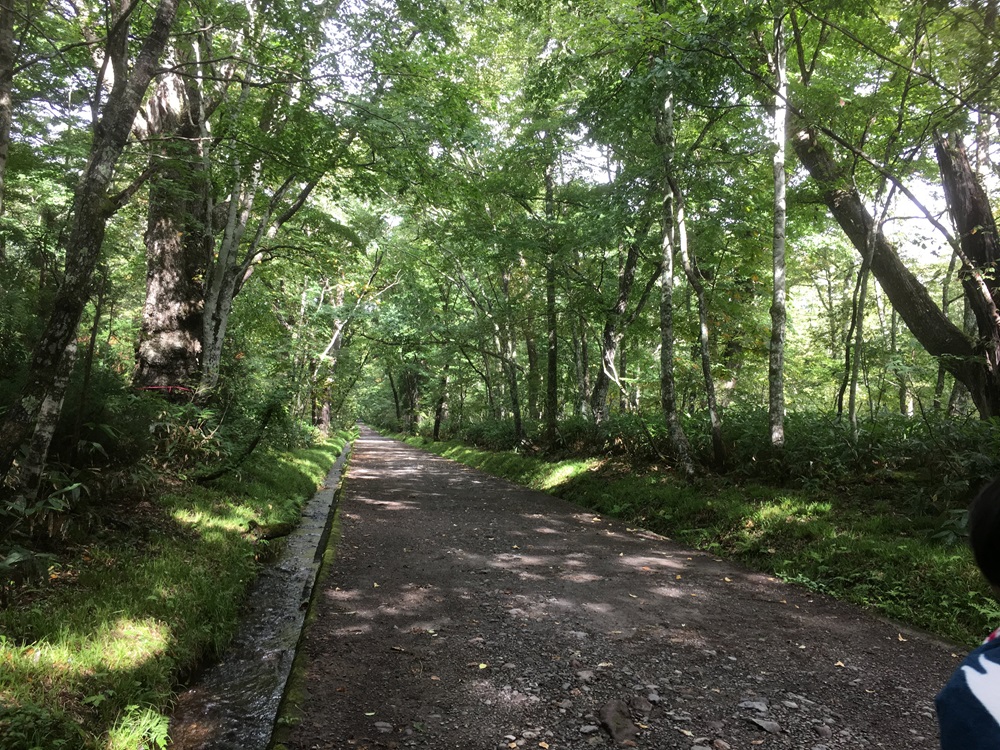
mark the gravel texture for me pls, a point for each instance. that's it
(462, 611)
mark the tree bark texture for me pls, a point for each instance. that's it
(979, 245)
(178, 242)
(91, 210)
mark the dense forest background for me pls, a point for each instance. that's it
(717, 237)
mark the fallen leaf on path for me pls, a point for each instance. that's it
(483, 666)
(839, 664)
(398, 648)
(728, 580)
(544, 745)
(901, 638)
(369, 713)
(633, 596)
(677, 577)
(374, 585)
(435, 678)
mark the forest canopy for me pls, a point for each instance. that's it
(702, 234)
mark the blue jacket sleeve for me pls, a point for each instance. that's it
(968, 707)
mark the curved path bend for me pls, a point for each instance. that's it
(462, 611)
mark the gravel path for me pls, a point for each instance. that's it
(462, 611)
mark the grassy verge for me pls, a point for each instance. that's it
(92, 660)
(865, 544)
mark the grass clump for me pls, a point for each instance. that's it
(858, 542)
(91, 660)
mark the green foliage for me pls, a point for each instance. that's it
(92, 659)
(27, 726)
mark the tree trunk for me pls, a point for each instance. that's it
(776, 360)
(534, 377)
(551, 327)
(91, 210)
(929, 325)
(442, 402)
(45, 426)
(664, 137)
(612, 335)
(7, 60)
(945, 308)
(395, 398)
(979, 248)
(581, 365)
(178, 242)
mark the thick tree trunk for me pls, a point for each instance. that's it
(91, 210)
(929, 325)
(979, 248)
(178, 243)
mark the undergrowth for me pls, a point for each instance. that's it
(883, 540)
(91, 659)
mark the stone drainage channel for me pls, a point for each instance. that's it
(234, 703)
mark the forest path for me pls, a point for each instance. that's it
(462, 611)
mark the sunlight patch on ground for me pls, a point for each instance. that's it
(128, 643)
(388, 504)
(670, 592)
(644, 561)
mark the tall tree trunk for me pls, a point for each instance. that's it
(694, 279)
(8, 16)
(395, 398)
(776, 360)
(581, 366)
(664, 137)
(613, 334)
(945, 308)
(551, 326)
(858, 348)
(534, 376)
(88, 363)
(92, 207)
(442, 402)
(178, 226)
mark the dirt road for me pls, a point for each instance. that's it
(462, 611)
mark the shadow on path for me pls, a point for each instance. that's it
(462, 611)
